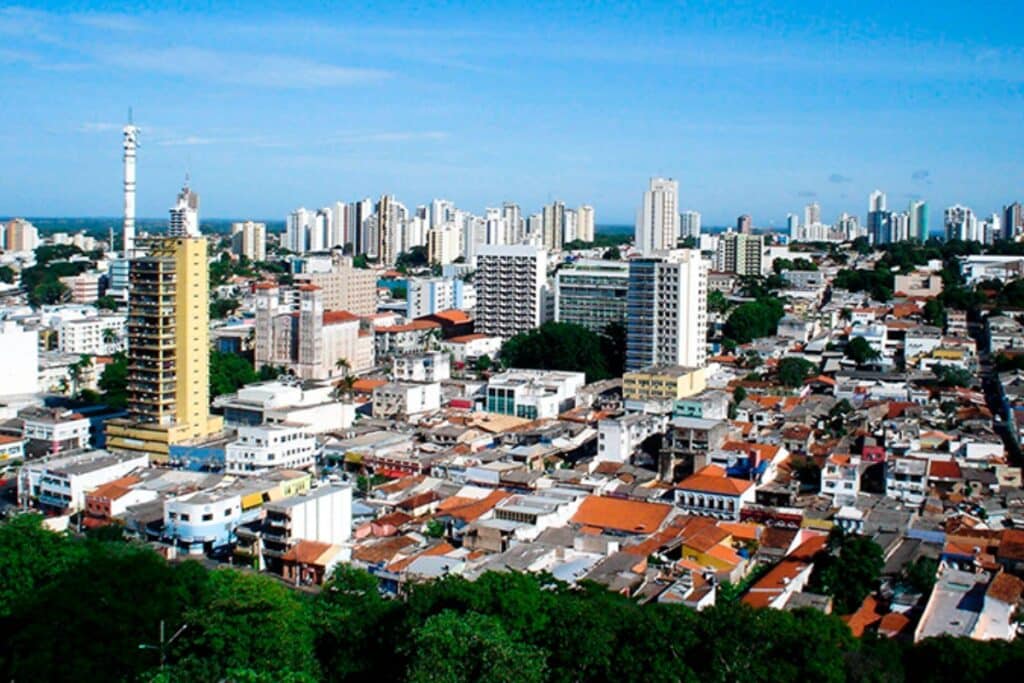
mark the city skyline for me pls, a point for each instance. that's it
(425, 112)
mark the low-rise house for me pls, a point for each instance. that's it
(533, 394)
(710, 493)
(840, 479)
(61, 484)
(261, 448)
(971, 604)
(618, 438)
(421, 367)
(406, 400)
(906, 480)
(50, 431)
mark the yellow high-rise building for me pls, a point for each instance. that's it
(168, 349)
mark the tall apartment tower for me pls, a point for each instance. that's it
(689, 224)
(666, 310)
(879, 230)
(812, 214)
(961, 224)
(585, 223)
(311, 323)
(918, 211)
(131, 141)
(509, 284)
(739, 253)
(554, 225)
(249, 239)
(1013, 220)
(185, 214)
(745, 224)
(168, 349)
(657, 219)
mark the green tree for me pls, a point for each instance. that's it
(612, 254)
(114, 381)
(229, 372)
(739, 395)
(48, 293)
(753, 320)
(794, 371)
(952, 376)
(920, 575)
(246, 621)
(471, 647)
(557, 346)
(848, 569)
(222, 308)
(859, 350)
(613, 347)
(483, 363)
(717, 301)
(935, 313)
(7, 274)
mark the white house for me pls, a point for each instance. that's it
(260, 448)
(840, 479)
(619, 437)
(61, 483)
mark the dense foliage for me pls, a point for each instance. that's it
(794, 371)
(113, 383)
(229, 372)
(570, 347)
(753, 320)
(89, 609)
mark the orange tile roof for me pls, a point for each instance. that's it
(334, 317)
(621, 515)
(866, 616)
(944, 469)
(1005, 588)
(809, 548)
(725, 554)
(308, 288)
(414, 326)
(823, 379)
(706, 538)
(367, 385)
(306, 552)
(772, 584)
(9, 439)
(708, 480)
(452, 315)
(741, 531)
(403, 564)
(265, 285)
(466, 338)
(468, 509)
(114, 489)
(381, 551)
(893, 624)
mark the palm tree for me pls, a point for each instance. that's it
(109, 337)
(343, 365)
(75, 372)
(344, 387)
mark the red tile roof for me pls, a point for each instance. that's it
(712, 479)
(306, 552)
(335, 317)
(621, 515)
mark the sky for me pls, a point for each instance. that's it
(757, 107)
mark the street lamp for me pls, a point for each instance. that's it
(164, 642)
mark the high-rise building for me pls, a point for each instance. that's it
(918, 211)
(344, 287)
(585, 223)
(358, 215)
(899, 227)
(19, 235)
(553, 225)
(168, 349)
(961, 224)
(443, 244)
(185, 214)
(793, 225)
(509, 284)
(1013, 221)
(689, 225)
(131, 140)
(249, 239)
(812, 214)
(745, 224)
(657, 219)
(991, 229)
(308, 342)
(739, 253)
(297, 230)
(879, 230)
(666, 321)
(592, 293)
(513, 222)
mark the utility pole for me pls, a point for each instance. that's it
(164, 643)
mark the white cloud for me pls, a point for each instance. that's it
(234, 68)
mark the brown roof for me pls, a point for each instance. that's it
(470, 510)
(452, 315)
(708, 480)
(1005, 588)
(465, 338)
(772, 584)
(9, 439)
(1011, 546)
(113, 490)
(306, 552)
(893, 624)
(381, 551)
(414, 326)
(944, 469)
(866, 616)
(621, 515)
(334, 317)
(394, 519)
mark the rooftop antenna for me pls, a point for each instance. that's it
(131, 122)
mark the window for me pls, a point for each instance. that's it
(208, 517)
(184, 517)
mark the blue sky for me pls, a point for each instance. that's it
(758, 108)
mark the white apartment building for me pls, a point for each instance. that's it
(509, 287)
(619, 437)
(249, 239)
(53, 431)
(309, 404)
(260, 448)
(444, 244)
(961, 224)
(61, 483)
(424, 367)
(184, 217)
(689, 224)
(405, 400)
(666, 321)
(533, 394)
(91, 336)
(19, 362)
(84, 287)
(585, 223)
(840, 479)
(469, 347)
(906, 480)
(657, 219)
(427, 296)
(323, 514)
